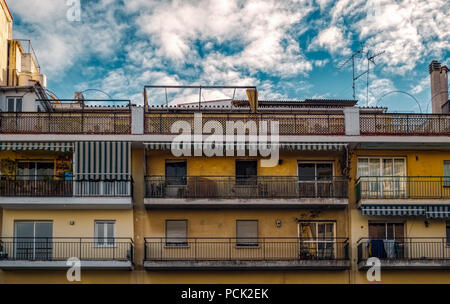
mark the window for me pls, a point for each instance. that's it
(247, 233)
(317, 240)
(246, 172)
(384, 177)
(447, 173)
(386, 240)
(315, 179)
(104, 233)
(14, 104)
(176, 172)
(34, 170)
(176, 233)
(33, 240)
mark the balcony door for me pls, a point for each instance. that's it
(35, 178)
(315, 179)
(33, 240)
(317, 240)
(382, 177)
(386, 240)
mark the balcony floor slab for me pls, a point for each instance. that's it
(67, 203)
(410, 265)
(248, 265)
(210, 203)
(61, 265)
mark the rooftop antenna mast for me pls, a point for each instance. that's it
(370, 58)
(355, 54)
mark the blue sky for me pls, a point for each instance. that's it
(288, 49)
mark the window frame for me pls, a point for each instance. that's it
(183, 179)
(247, 245)
(246, 180)
(34, 222)
(105, 237)
(184, 244)
(447, 232)
(446, 181)
(15, 98)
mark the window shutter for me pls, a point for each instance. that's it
(176, 231)
(447, 173)
(247, 233)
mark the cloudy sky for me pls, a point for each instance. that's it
(288, 49)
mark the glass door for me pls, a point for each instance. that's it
(33, 240)
(315, 179)
(317, 240)
(386, 240)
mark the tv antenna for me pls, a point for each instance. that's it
(355, 54)
(370, 58)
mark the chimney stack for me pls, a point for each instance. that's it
(439, 88)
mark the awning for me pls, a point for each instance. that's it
(254, 146)
(438, 211)
(48, 146)
(105, 160)
(393, 210)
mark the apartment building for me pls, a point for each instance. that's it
(102, 184)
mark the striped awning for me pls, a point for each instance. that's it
(255, 146)
(313, 146)
(105, 160)
(393, 210)
(438, 211)
(48, 146)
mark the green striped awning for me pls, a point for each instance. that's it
(438, 211)
(48, 146)
(254, 146)
(430, 211)
(393, 210)
(105, 160)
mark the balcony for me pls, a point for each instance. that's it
(289, 124)
(406, 253)
(75, 122)
(52, 253)
(54, 192)
(405, 124)
(242, 192)
(403, 187)
(246, 254)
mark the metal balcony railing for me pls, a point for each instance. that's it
(289, 124)
(412, 248)
(245, 187)
(248, 249)
(407, 187)
(404, 124)
(76, 122)
(57, 186)
(61, 249)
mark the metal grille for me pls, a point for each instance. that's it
(66, 123)
(404, 124)
(289, 124)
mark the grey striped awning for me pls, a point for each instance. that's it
(48, 146)
(438, 211)
(105, 160)
(248, 146)
(393, 210)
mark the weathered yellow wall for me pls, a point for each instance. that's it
(5, 35)
(225, 166)
(84, 221)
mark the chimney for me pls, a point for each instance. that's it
(79, 98)
(439, 87)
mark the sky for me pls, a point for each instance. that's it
(289, 50)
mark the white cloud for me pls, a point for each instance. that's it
(331, 39)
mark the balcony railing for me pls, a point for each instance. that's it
(57, 186)
(289, 124)
(105, 122)
(256, 249)
(404, 124)
(61, 249)
(413, 248)
(407, 187)
(245, 187)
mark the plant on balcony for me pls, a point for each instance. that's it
(8, 167)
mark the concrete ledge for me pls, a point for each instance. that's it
(61, 265)
(301, 203)
(67, 203)
(248, 265)
(410, 265)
